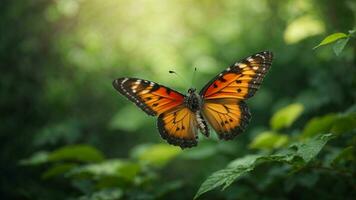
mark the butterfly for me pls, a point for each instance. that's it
(220, 103)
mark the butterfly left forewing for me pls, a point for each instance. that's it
(179, 127)
(151, 97)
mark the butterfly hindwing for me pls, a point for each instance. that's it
(241, 80)
(179, 127)
(151, 97)
(228, 117)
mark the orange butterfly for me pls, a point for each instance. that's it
(220, 102)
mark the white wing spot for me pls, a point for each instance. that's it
(123, 81)
(134, 87)
(144, 91)
(241, 65)
(259, 55)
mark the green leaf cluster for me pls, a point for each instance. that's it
(338, 41)
(301, 150)
(297, 155)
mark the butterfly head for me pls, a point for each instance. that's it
(191, 90)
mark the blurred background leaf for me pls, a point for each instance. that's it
(156, 154)
(84, 153)
(268, 140)
(285, 117)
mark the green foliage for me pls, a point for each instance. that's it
(298, 154)
(339, 41)
(331, 39)
(269, 140)
(83, 153)
(347, 154)
(335, 123)
(318, 125)
(37, 158)
(58, 169)
(109, 168)
(158, 154)
(340, 45)
(286, 116)
(302, 28)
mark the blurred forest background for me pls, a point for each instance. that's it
(67, 134)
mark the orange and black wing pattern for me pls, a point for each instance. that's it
(179, 127)
(228, 117)
(151, 97)
(223, 96)
(241, 80)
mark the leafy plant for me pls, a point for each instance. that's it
(338, 41)
(299, 153)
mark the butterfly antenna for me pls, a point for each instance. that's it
(193, 78)
(178, 75)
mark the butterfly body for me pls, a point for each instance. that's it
(193, 100)
(220, 103)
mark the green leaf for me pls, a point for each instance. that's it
(340, 45)
(227, 176)
(129, 170)
(331, 38)
(84, 153)
(303, 27)
(310, 148)
(157, 154)
(318, 125)
(334, 123)
(347, 154)
(269, 140)
(109, 168)
(297, 154)
(352, 32)
(286, 116)
(36, 159)
(58, 169)
(344, 123)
